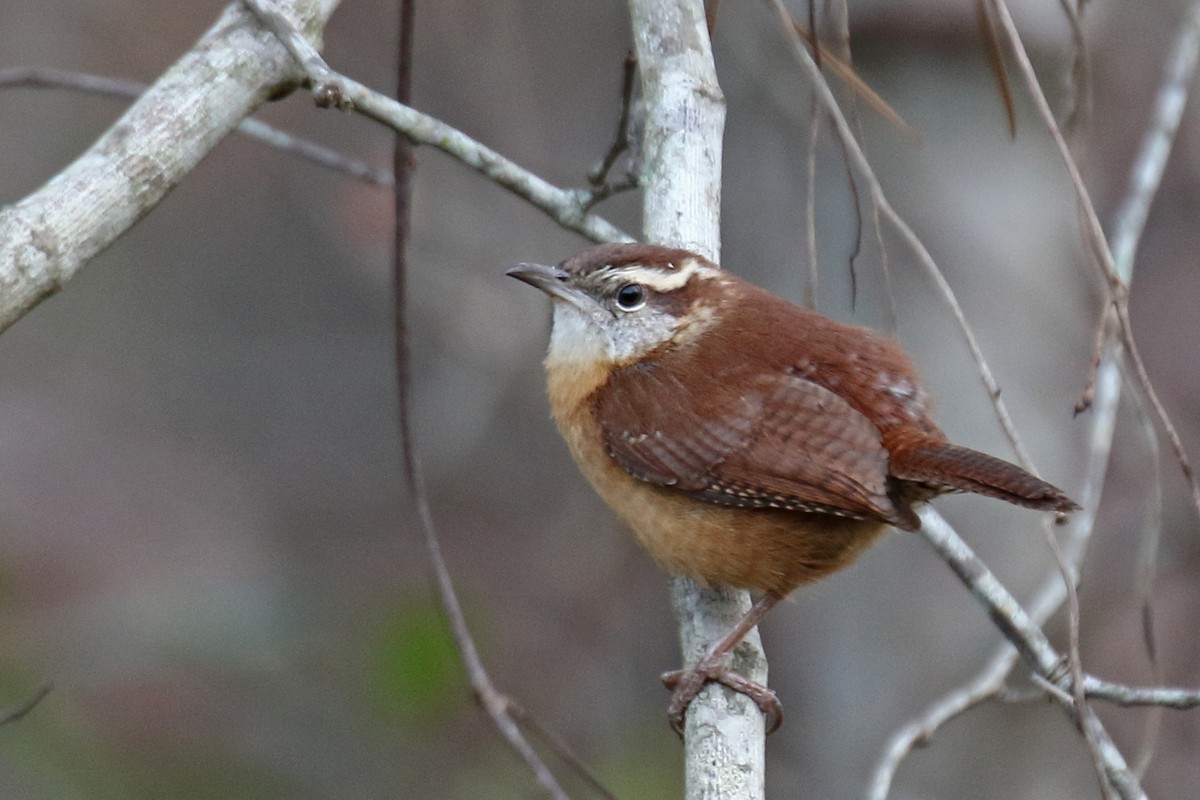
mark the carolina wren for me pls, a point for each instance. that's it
(745, 440)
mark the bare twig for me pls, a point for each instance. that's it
(1156, 405)
(1077, 106)
(1182, 64)
(17, 713)
(1022, 631)
(1146, 173)
(331, 88)
(319, 154)
(920, 730)
(1027, 637)
(50, 234)
(1105, 390)
(566, 207)
(880, 204)
(855, 153)
(991, 44)
(598, 175)
(844, 70)
(494, 703)
(841, 24)
(87, 83)
(560, 748)
(326, 85)
(810, 207)
(1128, 696)
(1147, 568)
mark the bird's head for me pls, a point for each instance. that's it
(617, 304)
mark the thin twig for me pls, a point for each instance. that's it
(1100, 345)
(1147, 170)
(1027, 636)
(495, 704)
(598, 175)
(1129, 696)
(1160, 411)
(563, 206)
(991, 44)
(561, 749)
(53, 232)
(18, 712)
(1181, 67)
(1021, 630)
(841, 24)
(854, 151)
(326, 85)
(858, 87)
(920, 730)
(331, 88)
(1103, 395)
(863, 166)
(319, 154)
(600, 186)
(1147, 568)
(1047, 599)
(1077, 105)
(810, 206)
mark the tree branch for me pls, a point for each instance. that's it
(87, 83)
(1102, 396)
(1181, 68)
(325, 83)
(1029, 639)
(567, 207)
(858, 158)
(235, 67)
(685, 117)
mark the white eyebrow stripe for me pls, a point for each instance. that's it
(661, 281)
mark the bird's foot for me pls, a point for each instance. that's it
(687, 683)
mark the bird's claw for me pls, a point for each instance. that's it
(687, 683)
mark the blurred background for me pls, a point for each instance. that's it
(203, 539)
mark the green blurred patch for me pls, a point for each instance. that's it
(644, 765)
(415, 671)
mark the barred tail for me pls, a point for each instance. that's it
(949, 468)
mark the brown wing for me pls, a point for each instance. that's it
(784, 442)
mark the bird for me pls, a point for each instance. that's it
(746, 441)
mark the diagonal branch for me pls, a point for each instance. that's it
(1024, 633)
(1182, 66)
(863, 166)
(564, 206)
(234, 68)
(1105, 386)
(87, 83)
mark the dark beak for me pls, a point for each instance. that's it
(539, 276)
(554, 282)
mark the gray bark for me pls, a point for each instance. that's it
(234, 68)
(685, 118)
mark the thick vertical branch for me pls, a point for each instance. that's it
(685, 118)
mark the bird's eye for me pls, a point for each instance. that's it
(631, 297)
